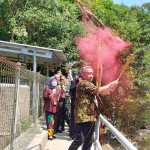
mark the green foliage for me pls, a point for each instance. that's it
(48, 24)
(146, 6)
(55, 23)
(128, 107)
(25, 125)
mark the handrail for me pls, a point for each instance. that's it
(118, 135)
(97, 144)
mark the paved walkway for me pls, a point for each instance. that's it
(60, 143)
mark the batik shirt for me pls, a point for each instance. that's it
(84, 106)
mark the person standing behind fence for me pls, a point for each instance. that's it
(51, 96)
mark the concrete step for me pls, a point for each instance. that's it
(38, 141)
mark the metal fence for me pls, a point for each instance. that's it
(21, 104)
(114, 138)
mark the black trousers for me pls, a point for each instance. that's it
(56, 120)
(84, 135)
(59, 119)
(63, 117)
(73, 127)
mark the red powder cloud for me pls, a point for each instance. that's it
(98, 46)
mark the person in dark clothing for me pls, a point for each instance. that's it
(66, 108)
(60, 107)
(63, 105)
(72, 93)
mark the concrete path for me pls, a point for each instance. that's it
(60, 143)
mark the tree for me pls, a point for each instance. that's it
(55, 23)
(48, 24)
(131, 24)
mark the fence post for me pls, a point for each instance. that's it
(97, 129)
(98, 146)
(43, 112)
(34, 102)
(15, 107)
(34, 89)
(37, 102)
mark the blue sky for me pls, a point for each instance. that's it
(131, 2)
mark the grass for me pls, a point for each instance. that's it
(25, 125)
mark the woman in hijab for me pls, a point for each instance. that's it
(51, 96)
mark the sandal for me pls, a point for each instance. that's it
(50, 138)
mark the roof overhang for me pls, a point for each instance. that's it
(26, 53)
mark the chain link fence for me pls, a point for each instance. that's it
(21, 104)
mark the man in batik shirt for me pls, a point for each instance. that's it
(84, 108)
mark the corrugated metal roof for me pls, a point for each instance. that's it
(24, 53)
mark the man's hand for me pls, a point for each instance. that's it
(113, 85)
(105, 90)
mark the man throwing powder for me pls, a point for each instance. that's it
(84, 108)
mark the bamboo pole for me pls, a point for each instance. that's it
(97, 76)
(126, 65)
(99, 84)
(87, 14)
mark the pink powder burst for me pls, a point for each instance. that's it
(98, 46)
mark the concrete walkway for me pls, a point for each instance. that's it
(60, 143)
